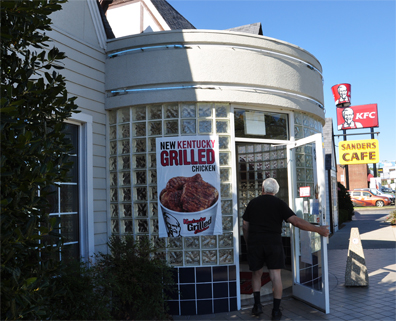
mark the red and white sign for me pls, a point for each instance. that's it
(353, 117)
(342, 95)
(305, 191)
(188, 186)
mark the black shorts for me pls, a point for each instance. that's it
(265, 248)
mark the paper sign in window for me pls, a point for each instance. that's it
(254, 123)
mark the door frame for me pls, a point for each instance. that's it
(318, 299)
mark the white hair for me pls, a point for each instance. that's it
(270, 185)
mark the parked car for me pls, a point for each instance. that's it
(378, 193)
(387, 190)
(367, 198)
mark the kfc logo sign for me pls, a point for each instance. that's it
(353, 117)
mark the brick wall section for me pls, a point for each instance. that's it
(357, 176)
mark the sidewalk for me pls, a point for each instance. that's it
(375, 302)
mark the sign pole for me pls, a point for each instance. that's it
(346, 166)
(374, 165)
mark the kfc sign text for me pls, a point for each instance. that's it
(353, 117)
(358, 152)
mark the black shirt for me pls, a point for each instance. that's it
(265, 214)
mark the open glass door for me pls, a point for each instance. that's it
(308, 200)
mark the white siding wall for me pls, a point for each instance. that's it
(74, 33)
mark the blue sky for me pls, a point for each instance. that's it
(353, 40)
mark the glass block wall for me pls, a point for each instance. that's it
(133, 176)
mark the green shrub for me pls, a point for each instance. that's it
(78, 296)
(345, 206)
(136, 279)
(391, 218)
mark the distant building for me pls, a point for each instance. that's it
(359, 176)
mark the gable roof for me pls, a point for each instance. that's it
(172, 17)
(254, 28)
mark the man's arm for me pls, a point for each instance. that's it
(245, 228)
(306, 226)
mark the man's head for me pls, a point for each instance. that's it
(342, 90)
(173, 225)
(270, 186)
(348, 114)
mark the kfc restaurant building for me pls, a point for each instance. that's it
(213, 113)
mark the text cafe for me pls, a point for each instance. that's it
(191, 145)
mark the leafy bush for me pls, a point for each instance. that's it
(345, 206)
(137, 280)
(78, 297)
(34, 105)
(392, 218)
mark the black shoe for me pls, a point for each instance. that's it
(257, 309)
(276, 314)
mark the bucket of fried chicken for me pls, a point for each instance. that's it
(189, 206)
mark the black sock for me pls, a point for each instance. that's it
(277, 303)
(256, 297)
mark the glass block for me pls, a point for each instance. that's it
(306, 120)
(126, 210)
(175, 243)
(139, 145)
(141, 226)
(209, 241)
(204, 110)
(298, 132)
(274, 164)
(154, 226)
(114, 210)
(124, 147)
(175, 258)
(281, 153)
(258, 157)
(153, 176)
(309, 175)
(224, 158)
(141, 210)
(153, 160)
(188, 111)
(139, 161)
(225, 174)
(171, 127)
(311, 122)
(140, 193)
(226, 240)
(140, 178)
(153, 193)
(113, 195)
(249, 148)
(308, 160)
(138, 113)
(205, 126)
(123, 115)
(222, 111)
(307, 132)
(125, 195)
(274, 174)
(226, 256)
(266, 156)
(124, 162)
(298, 118)
(241, 149)
(139, 129)
(227, 223)
(158, 242)
(123, 131)
(273, 155)
(113, 179)
(113, 148)
(114, 226)
(155, 128)
(171, 111)
(300, 160)
(192, 257)
(267, 174)
(113, 163)
(152, 145)
(112, 117)
(188, 126)
(225, 190)
(224, 142)
(153, 209)
(113, 132)
(300, 174)
(191, 242)
(222, 127)
(125, 178)
(281, 163)
(155, 112)
(127, 226)
(209, 257)
(226, 207)
(267, 165)
(308, 149)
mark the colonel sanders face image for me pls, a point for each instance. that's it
(343, 92)
(348, 115)
(173, 225)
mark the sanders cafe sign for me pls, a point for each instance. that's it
(354, 117)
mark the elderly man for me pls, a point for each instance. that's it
(344, 98)
(262, 229)
(348, 115)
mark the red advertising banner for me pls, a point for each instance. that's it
(188, 186)
(353, 117)
(342, 95)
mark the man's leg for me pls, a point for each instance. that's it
(256, 285)
(277, 289)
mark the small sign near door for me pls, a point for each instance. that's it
(305, 191)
